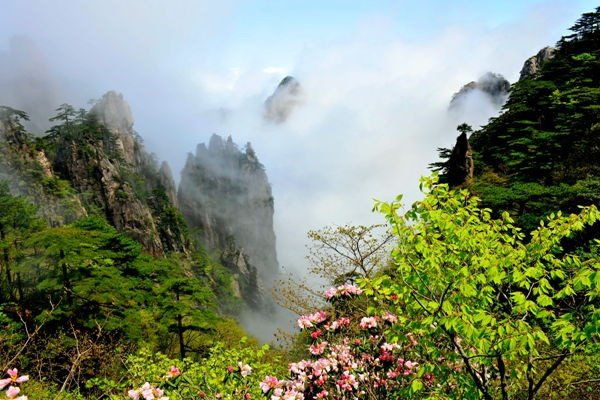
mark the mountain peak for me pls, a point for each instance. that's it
(114, 112)
(494, 86)
(286, 97)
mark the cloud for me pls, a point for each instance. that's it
(375, 101)
(275, 71)
(375, 112)
(27, 81)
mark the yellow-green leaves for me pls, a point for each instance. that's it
(492, 293)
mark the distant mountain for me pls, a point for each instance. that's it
(493, 87)
(285, 99)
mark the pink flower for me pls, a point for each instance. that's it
(277, 393)
(316, 334)
(12, 392)
(245, 369)
(270, 382)
(346, 290)
(318, 317)
(13, 378)
(173, 372)
(412, 339)
(317, 349)
(304, 322)
(391, 318)
(349, 290)
(4, 383)
(390, 346)
(148, 392)
(368, 322)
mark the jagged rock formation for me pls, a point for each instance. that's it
(94, 162)
(494, 86)
(286, 97)
(115, 114)
(225, 194)
(124, 180)
(459, 167)
(533, 63)
(94, 170)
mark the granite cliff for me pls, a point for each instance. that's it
(93, 162)
(226, 197)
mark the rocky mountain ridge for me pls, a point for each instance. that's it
(95, 163)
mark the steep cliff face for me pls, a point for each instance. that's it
(122, 179)
(93, 162)
(92, 168)
(224, 193)
(532, 64)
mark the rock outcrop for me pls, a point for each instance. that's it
(493, 86)
(459, 167)
(115, 114)
(287, 96)
(533, 63)
(225, 195)
(94, 162)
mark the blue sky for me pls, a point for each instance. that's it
(377, 75)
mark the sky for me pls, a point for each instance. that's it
(377, 77)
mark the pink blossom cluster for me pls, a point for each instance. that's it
(345, 290)
(344, 366)
(311, 320)
(13, 391)
(147, 392)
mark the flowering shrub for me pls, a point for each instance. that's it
(13, 381)
(147, 392)
(227, 374)
(351, 358)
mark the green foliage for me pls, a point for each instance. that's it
(480, 293)
(17, 221)
(217, 376)
(172, 228)
(81, 294)
(81, 127)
